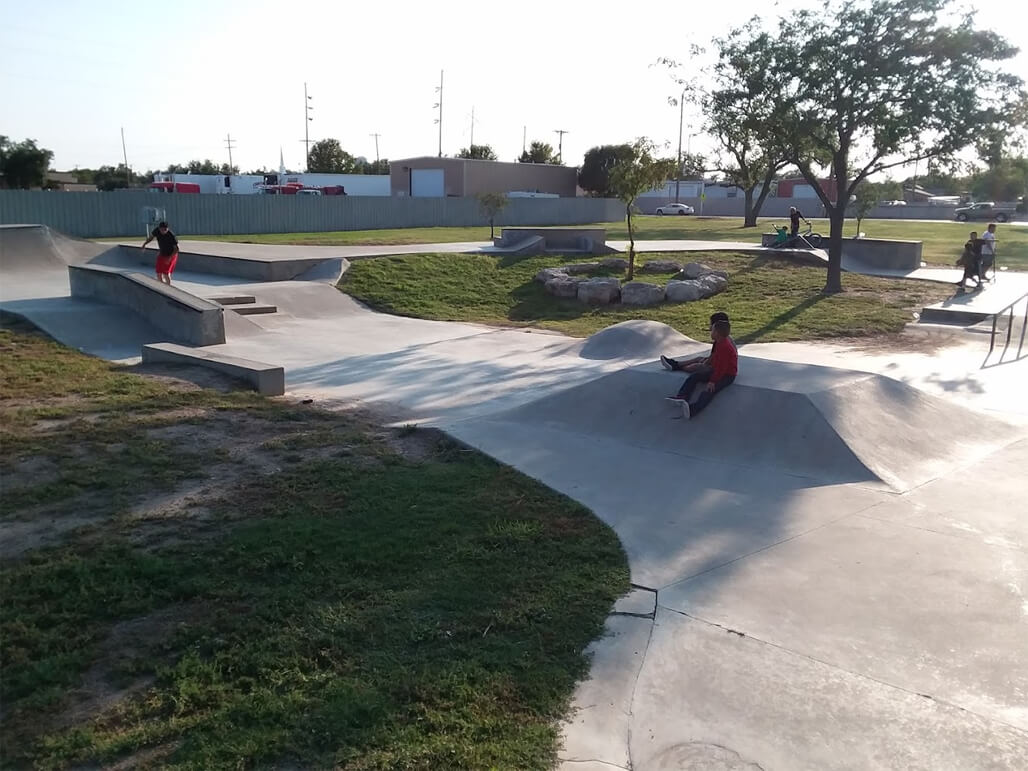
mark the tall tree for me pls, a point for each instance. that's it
(594, 176)
(492, 204)
(739, 105)
(631, 175)
(328, 157)
(478, 152)
(23, 164)
(539, 152)
(867, 85)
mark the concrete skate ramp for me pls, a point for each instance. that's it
(38, 248)
(830, 425)
(636, 339)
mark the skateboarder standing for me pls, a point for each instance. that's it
(167, 251)
(724, 366)
(794, 221)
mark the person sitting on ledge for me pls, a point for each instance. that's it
(724, 366)
(699, 363)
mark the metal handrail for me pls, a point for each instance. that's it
(1009, 309)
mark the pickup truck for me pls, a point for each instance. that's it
(985, 210)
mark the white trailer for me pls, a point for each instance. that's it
(354, 184)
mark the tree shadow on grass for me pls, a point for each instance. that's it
(780, 320)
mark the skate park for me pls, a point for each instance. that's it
(829, 567)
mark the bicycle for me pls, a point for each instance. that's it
(807, 238)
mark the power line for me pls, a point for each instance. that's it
(439, 106)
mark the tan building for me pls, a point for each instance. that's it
(433, 177)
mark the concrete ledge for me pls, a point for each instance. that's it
(266, 379)
(593, 240)
(181, 315)
(225, 265)
(872, 252)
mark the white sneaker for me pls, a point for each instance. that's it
(686, 412)
(665, 362)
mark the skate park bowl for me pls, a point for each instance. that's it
(826, 425)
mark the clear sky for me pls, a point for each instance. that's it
(180, 75)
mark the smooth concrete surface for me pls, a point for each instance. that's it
(802, 620)
(179, 314)
(266, 379)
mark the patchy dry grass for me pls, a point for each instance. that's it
(197, 577)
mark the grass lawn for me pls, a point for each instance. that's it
(943, 241)
(768, 299)
(197, 577)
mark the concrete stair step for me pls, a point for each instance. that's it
(961, 318)
(236, 299)
(253, 309)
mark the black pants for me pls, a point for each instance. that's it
(972, 269)
(706, 396)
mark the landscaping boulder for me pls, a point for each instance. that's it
(599, 291)
(563, 286)
(661, 266)
(641, 293)
(695, 270)
(683, 291)
(581, 267)
(712, 284)
(614, 263)
(547, 274)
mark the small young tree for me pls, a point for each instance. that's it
(864, 200)
(634, 174)
(491, 205)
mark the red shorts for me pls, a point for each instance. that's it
(166, 263)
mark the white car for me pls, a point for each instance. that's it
(894, 203)
(674, 208)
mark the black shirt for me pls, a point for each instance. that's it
(166, 241)
(794, 218)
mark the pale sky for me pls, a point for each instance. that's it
(181, 74)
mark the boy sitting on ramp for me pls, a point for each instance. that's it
(724, 366)
(699, 363)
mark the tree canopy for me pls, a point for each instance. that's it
(594, 176)
(328, 157)
(479, 152)
(863, 86)
(540, 152)
(23, 164)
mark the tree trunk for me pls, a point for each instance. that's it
(749, 219)
(837, 217)
(631, 244)
(492, 232)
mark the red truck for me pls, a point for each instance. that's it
(174, 187)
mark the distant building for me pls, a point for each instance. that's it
(800, 188)
(68, 182)
(433, 177)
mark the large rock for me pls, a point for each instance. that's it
(548, 274)
(581, 267)
(683, 291)
(599, 291)
(712, 284)
(614, 263)
(695, 270)
(563, 286)
(661, 266)
(641, 293)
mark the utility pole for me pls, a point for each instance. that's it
(124, 155)
(229, 144)
(307, 110)
(681, 116)
(472, 148)
(524, 138)
(560, 143)
(439, 106)
(376, 146)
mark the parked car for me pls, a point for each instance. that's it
(675, 208)
(984, 210)
(894, 203)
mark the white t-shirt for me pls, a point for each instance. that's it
(989, 247)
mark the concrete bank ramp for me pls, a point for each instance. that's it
(38, 248)
(833, 426)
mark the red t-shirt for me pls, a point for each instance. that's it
(725, 360)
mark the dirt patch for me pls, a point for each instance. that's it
(183, 377)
